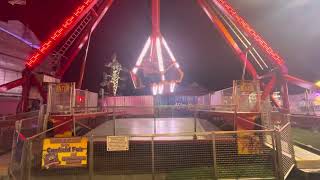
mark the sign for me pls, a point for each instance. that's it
(249, 142)
(247, 87)
(117, 143)
(62, 87)
(64, 152)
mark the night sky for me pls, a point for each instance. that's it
(291, 27)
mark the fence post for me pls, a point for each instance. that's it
(235, 118)
(91, 149)
(114, 120)
(195, 119)
(214, 155)
(40, 119)
(74, 125)
(195, 123)
(152, 154)
(274, 154)
(29, 159)
(25, 163)
(154, 120)
(279, 155)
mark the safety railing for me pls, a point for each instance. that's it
(163, 156)
(8, 125)
(191, 153)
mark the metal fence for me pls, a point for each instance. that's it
(189, 154)
(8, 125)
(213, 155)
(286, 151)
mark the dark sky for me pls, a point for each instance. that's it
(291, 27)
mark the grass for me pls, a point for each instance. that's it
(307, 137)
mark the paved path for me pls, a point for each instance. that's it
(139, 126)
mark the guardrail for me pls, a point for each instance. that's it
(8, 126)
(264, 154)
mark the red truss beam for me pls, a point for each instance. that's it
(11, 85)
(84, 37)
(269, 87)
(227, 9)
(300, 82)
(56, 37)
(228, 37)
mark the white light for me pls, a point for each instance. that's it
(160, 88)
(143, 52)
(168, 49)
(172, 86)
(162, 77)
(159, 54)
(177, 65)
(154, 89)
(135, 70)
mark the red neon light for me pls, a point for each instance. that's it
(57, 35)
(250, 31)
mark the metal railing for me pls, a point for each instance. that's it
(192, 154)
(8, 124)
(212, 155)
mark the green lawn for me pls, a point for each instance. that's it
(306, 137)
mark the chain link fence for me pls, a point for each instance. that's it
(285, 150)
(190, 153)
(209, 156)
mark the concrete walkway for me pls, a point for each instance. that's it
(145, 126)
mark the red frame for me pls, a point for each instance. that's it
(70, 22)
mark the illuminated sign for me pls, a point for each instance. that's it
(57, 35)
(247, 87)
(63, 88)
(64, 152)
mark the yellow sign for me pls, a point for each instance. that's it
(64, 152)
(117, 143)
(246, 87)
(63, 87)
(249, 143)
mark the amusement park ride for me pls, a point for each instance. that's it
(162, 78)
(56, 54)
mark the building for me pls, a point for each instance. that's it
(16, 43)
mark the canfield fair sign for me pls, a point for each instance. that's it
(64, 152)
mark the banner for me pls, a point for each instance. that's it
(64, 152)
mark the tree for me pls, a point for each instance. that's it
(111, 79)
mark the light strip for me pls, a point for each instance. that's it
(135, 70)
(160, 88)
(168, 50)
(162, 77)
(21, 39)
(154, 89)
(245, 38)
(143, 52)
(228, 9)
(172, 87)
(159, 54)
